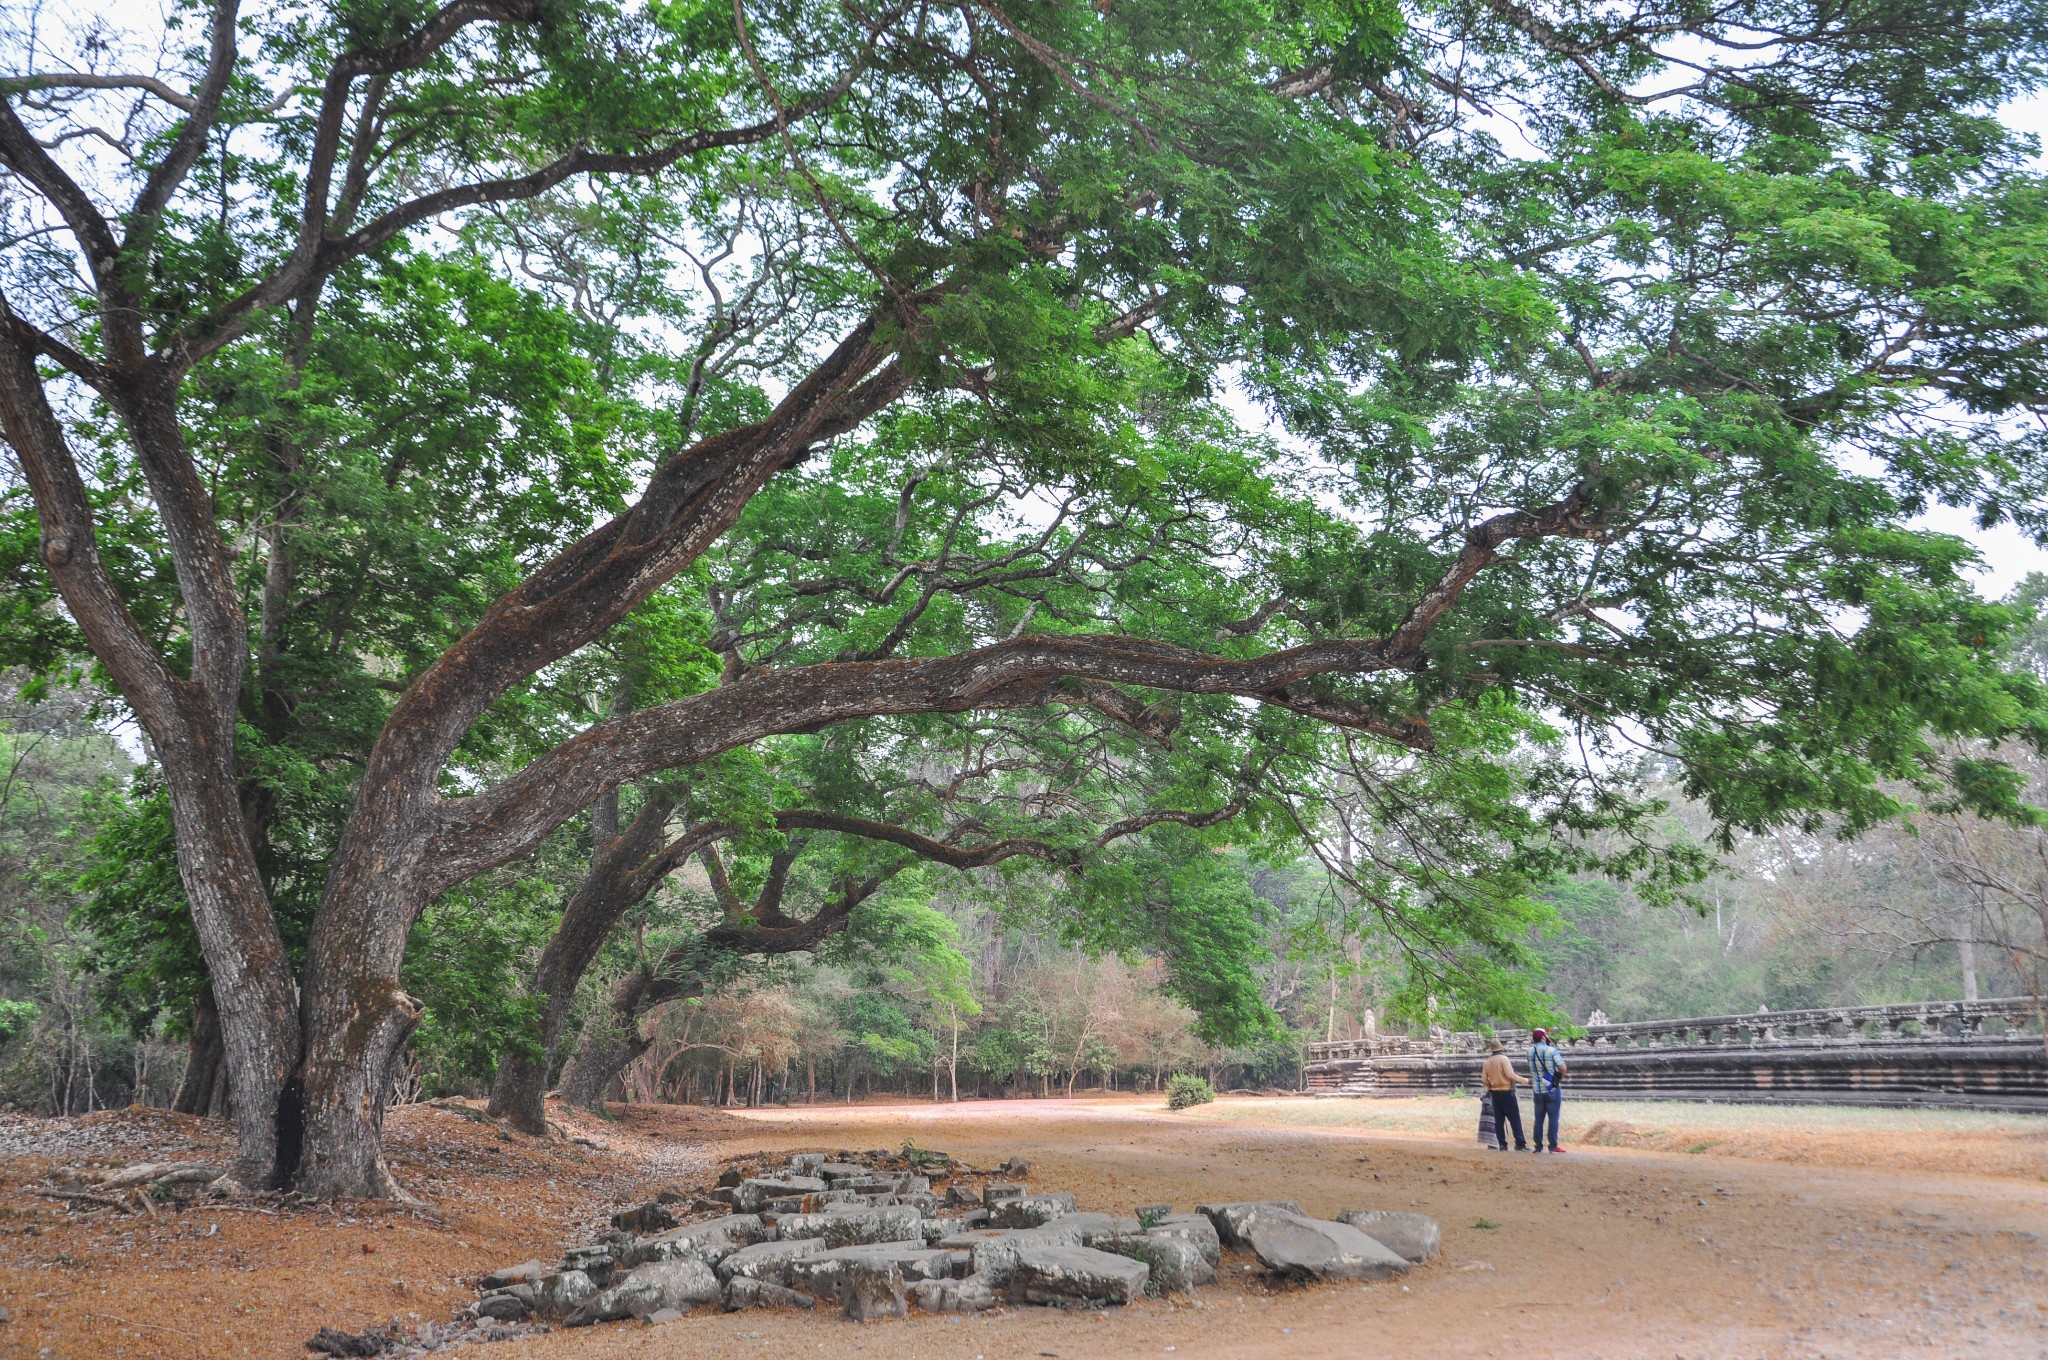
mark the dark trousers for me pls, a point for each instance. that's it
(1507, 1111)
(1547, 1103)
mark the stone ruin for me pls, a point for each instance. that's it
(876, 1234)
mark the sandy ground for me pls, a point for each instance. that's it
(1847, 1234)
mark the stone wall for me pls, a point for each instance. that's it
(1981, 1055)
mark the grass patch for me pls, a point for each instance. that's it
(1484, 1224)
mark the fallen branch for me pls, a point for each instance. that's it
(160, 1173)
(83, 1197)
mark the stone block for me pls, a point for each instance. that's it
(1197, 1229)
(839, 1171)
(1028, 1211)
(996, 1254)
(970, 1295)
(996, 1191)
(769, 1260)
(843, 1225)
(651, 1288)
(1228, 1217)
(1417, 1237)
(874, 1290)
(653, 1217)
(752, 1195)
(827, 1273)
(526, 1272)
(1076, 1277)
(598, 1263)
(742, 1293)
(1303, 1248)
(562, 1293)
(1178, 1265)
(710, 1241)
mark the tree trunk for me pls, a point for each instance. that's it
(620, 875)
(1966, 954)
(252, 983)
(205, 1062)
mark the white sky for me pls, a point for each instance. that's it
(2008, 554)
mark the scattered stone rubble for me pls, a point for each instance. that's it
(876, 1233)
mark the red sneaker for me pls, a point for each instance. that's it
(1557, 1149)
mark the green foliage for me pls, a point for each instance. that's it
(1185, 1089)
(467, 961)
(15, 1018)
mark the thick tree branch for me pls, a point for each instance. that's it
(25, 156)
(65, 80)
(191, 139)
(70, 543)
(318, 255)
(489, 828)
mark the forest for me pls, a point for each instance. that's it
(957, 984)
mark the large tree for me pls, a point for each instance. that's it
(1625, 423)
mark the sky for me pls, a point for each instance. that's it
(2008, 554)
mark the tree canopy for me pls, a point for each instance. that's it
(1371, 421)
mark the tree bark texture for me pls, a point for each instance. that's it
(205, 1062)
(624, 870)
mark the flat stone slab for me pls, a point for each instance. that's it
(970, 1295)
(710, 1241)
(839, 1171)
(846, 1225)
(1417, 1237)
(1196, 1229)
(752, 1195)
(1028, 1211)
(1076, 1277)
(995, 1256)
(651, 1288)
(827, 1274)
(769, 1260)
(526, 1272)
(1177, 1264)
(1304, 1248)
(1227, 1218)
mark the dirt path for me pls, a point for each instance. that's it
(1605, 1252)
(1600, 1253)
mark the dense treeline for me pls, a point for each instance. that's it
(948, 986)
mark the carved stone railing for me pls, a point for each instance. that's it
(1983, 1054)
(2004, 1019)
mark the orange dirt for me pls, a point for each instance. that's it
(1605, 1252)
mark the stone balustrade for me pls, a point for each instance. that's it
(1985, 1054)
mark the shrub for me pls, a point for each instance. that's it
(1188, 1089)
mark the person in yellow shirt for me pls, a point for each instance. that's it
(1501, 1080)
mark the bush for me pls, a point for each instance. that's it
(1188, 1089)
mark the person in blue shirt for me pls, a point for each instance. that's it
(1546, 1070)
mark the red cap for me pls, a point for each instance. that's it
(1539, 1033)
